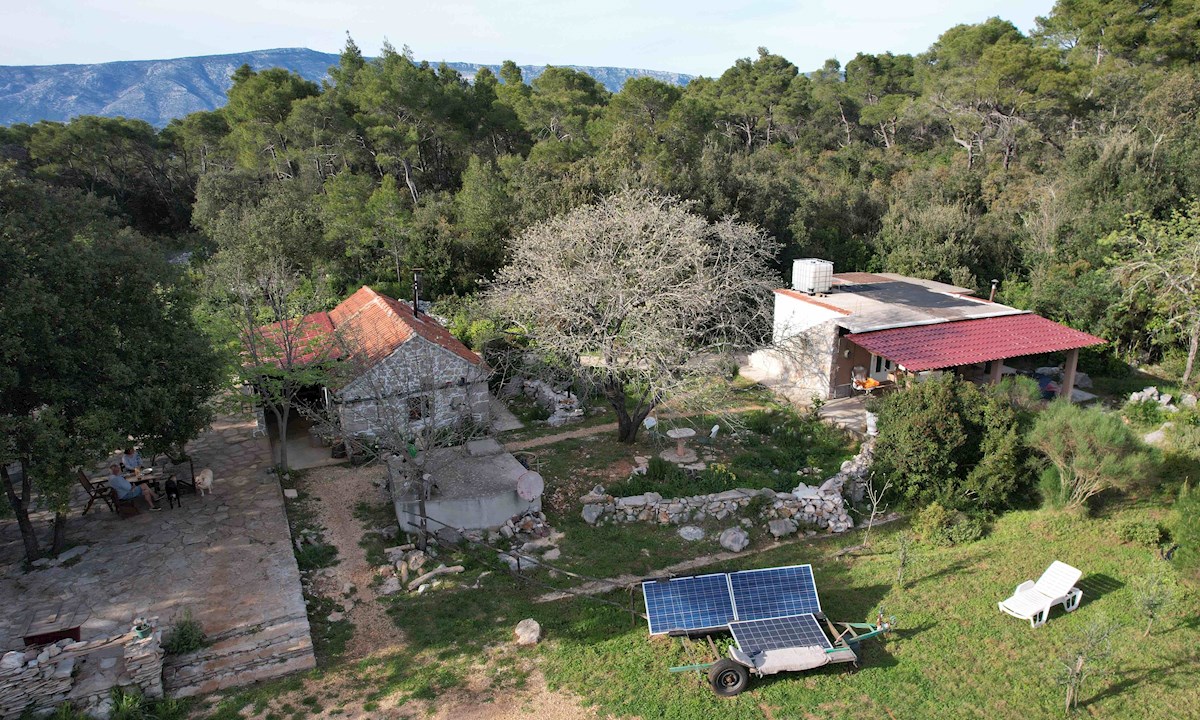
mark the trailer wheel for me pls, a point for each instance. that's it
(728, 678)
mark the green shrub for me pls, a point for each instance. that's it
(940, 526)
(1144, 412)
(1140, 532)
(1092, 450)
(950, 442)
(184, 636)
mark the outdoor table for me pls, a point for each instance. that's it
(679, 435)
(147, 477)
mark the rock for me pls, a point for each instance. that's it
(12, 660)
(631, 501)
(509, 560)
(449, 536)
(803, 492)
(1051, 372)
(335, 616)
(832, 486)
(391, 586)
(1188, 401)
(781, 528)
(1159, 436)
(290, 493)
(70, 554)
(592, 513)
(1165, 399)
(652, 498)
(347, 588)
(598, 490)
(506, 531)
(691, 533)
(527, 632)
(734, 539)
(415, 559)
(42, 562)
(1083, 381)
(552, 554)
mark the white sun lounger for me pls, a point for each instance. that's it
(1032, 600)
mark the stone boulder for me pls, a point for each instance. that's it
(734, 539)
(592, 513)
(527, 632)
(782, 527)
(691, 533)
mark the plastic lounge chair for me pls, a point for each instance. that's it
(1032, 600)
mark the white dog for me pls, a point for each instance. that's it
(204, 482)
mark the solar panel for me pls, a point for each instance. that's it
(774, 592)
(793, 631)
(690, 603)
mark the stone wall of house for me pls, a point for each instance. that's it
(807, 507)
(81, 673)
(377, 403)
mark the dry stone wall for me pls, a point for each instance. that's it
(43, 677)
(806, 507)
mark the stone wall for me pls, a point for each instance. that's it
(806, 507)
(376, 403)
(242, 656)
(81, 673)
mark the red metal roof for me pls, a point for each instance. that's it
(965, 342)
(371, 326)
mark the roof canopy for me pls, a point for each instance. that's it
(966, 342)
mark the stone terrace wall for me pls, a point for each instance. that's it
(807, 506)
(814, 509)
(46, 676)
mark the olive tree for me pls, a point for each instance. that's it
(639, 298)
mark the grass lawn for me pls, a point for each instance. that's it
(954, 655)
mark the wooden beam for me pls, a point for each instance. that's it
(1068, 378)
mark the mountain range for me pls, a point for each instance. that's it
(158, 91)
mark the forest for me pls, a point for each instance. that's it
(1032, 159)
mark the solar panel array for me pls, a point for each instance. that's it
(781, 632)
(706, 602)
(690, 603)
(774, 592)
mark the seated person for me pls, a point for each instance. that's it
(128, 491)
(131, 459)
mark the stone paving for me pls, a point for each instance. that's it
(226, 557)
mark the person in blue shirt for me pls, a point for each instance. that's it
(128, 491)
(132, 459)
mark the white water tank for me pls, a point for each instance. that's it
(812, 275)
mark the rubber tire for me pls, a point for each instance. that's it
(728, 678)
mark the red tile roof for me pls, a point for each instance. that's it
(372, 326)
(965, 342)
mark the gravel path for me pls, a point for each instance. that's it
(338, 490)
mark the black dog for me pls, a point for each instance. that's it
(173, 493)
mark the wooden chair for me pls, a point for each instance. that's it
(95, 492)
(123, 508)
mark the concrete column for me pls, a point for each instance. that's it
(994, 375)
(1068, 378)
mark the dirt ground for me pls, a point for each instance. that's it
(338, 490)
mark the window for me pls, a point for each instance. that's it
(418, 405)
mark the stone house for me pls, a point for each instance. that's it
(400, 372)
(838, 334)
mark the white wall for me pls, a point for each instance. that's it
(800, 360)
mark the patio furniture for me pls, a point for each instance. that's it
(124, 508)
(711, 437)
(652, 431)
(1032, 600)
(679, 435)
(95, 491)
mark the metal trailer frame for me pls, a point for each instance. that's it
(730, 676)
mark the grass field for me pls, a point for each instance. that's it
(954, 654)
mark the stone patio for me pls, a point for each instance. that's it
(226, 557)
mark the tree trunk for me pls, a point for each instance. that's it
(1192, 348)
(59, 536)
(20, 506)
(282, 412)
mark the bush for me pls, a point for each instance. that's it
(950, 442)
(1144, 412)
(1140, 532)
(940, 526)
(185, 635)
(1091, 450)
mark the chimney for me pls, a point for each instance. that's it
(416, 304)
(992, 294)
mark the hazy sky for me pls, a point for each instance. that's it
(694, 36)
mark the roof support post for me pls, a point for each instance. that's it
(1068, 379)
(994, 375)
